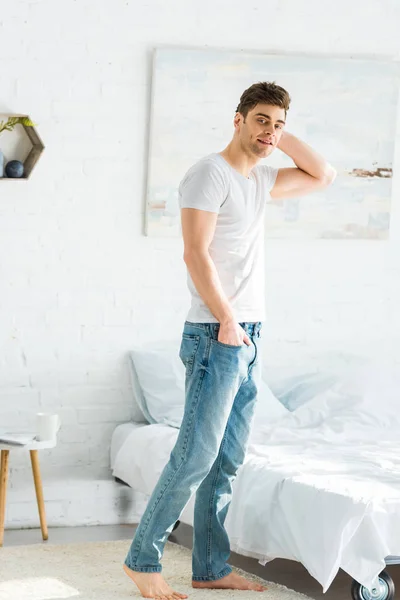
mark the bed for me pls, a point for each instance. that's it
(321, 480)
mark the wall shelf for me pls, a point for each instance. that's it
(34, 153)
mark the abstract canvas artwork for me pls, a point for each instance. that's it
(344, 108)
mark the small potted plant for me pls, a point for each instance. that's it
(9, 126)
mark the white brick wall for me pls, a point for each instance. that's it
(79, 283)
(79, 501)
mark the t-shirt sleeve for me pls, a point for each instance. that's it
(203, 187)
(269, 175)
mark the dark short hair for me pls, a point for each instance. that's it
(264, 92)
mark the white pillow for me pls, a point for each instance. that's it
(161, 397)
(268, 408)
(295, 391)
(138, 401)
(364, 405)
(161, 376)
(296, 385)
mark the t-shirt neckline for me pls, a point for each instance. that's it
(233, 168)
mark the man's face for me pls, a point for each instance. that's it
(261, 130)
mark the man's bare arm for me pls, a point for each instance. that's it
(198, 227)
(312, 171)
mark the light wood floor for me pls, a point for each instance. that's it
(286, 572)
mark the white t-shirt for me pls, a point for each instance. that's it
(237, 248)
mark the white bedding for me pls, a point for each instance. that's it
(321, 487)
(120, 435)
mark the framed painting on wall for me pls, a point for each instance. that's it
(344, 108)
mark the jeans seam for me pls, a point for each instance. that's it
(201, 326)
(145, 569)
(213, 488)
(193, 357)
(225, 571)
(197, 395)
(189, 364)
(253, 362)
(162, 492)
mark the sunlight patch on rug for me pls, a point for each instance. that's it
(36, 588)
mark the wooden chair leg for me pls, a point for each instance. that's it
(39, 492)
(3, 491)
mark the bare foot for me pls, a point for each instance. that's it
(153, 585)
(233, 581)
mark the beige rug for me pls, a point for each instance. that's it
(93, 570)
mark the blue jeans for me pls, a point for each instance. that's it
(221, 390)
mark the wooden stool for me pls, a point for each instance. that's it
(33, 448)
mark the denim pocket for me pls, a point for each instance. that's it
(218, 343)
(188, 349)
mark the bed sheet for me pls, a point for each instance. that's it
(321, 486)
(119, 436)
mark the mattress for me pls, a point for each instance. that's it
(119, 437)
(297, 496)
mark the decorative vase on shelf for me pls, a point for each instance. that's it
(14, 169)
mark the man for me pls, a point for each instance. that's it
(222, 199)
